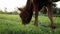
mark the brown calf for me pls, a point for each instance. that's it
(36, 5)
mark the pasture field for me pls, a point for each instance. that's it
(11, 24)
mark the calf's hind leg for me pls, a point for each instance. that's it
(49, 12)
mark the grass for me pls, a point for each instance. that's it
(11, 24)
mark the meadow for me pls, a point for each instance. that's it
(11, 24)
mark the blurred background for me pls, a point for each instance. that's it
(10, 6)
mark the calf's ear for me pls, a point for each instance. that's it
(20, 9)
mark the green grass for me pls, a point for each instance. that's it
(11, 24)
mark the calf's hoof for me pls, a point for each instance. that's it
(53, 27)
(35, 24)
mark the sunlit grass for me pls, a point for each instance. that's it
(11, 24)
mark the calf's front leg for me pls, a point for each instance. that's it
(36, 18)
